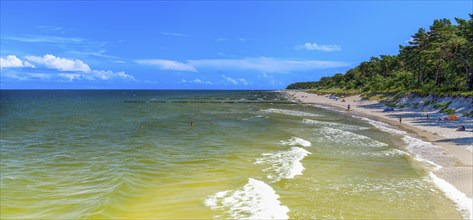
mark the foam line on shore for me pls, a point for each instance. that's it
(462, 202)
(427, 153)
(424, 151)
(382, 126)
(433, 156)
(290, 112)
(333, 124)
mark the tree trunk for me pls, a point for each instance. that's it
(437, 73)
(418, 73)
(422, 76)
(465, 66)
(470, 85)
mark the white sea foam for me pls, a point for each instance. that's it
(296, 141)
(254, 117)
(284, 164)
(348, 138)
(290, 112)
(382, 126)
(469, 148)
(424, 151)
(255, 200)
(463, 203)
(395, 152)
(333, 124)
(432, 155)
(323, 106)
(392, 152)
(315, 122)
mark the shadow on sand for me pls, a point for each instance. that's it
(459, 141)
(432, 120)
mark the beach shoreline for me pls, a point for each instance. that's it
(456, 144)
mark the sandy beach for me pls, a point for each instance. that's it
(457, 165)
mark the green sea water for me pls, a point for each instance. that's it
(134, 154)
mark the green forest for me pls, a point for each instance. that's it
(435, 61)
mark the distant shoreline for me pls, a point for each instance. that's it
(457, 144)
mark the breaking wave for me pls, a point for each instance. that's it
(333, 124)
(348, 138)
(284, 164)
(255, 200)
(296, 141)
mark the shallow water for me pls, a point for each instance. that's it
(90, 154)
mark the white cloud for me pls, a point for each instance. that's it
(197, 81)
(40, 75)
(265, 64)
(46, 39)
(168, 65)
(319, 47)
(99, 53)
(233, 81)
(59, 42)
(268, 79)
(230, 80)
(47, 28)
(243, 81)
(70, 76)
(11, 61)
(173, 34)
(107, 75)
(70, 70)
(58, 63)
(260, 64)
(151, 82)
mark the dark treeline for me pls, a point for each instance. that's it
(438, 60)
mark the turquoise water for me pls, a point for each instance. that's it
(134, 154)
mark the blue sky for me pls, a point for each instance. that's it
(201, 44)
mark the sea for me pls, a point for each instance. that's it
(171, 154)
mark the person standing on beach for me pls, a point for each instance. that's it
(400, 119)
(348, 107)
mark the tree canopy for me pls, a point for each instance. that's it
(436, 60)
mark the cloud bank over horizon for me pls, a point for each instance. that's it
(53, 68)
(258, 64)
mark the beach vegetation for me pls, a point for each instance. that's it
(438, 60)
(303, 85)
(442, 105)
(448, 111)
(469, 114)
(392, 105)
(335, 91)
